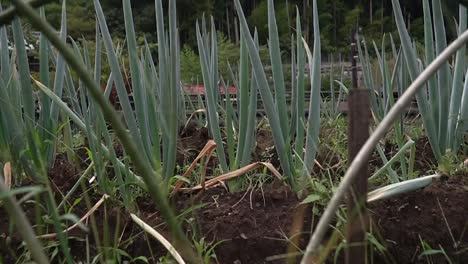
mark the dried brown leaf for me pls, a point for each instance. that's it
(7, 174)
(237, 173)
(90, 212)
(206, 151)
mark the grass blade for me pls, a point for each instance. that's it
(457, 86)
(389, 163)
(27, 98)
(58, 85)
(277, 69)
(313, 123)
(430, 55)
(443, 76)
(299, 107)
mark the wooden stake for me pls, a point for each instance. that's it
(358, 132)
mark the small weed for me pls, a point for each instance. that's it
(206, 250)
(428, 252)
(450, 163)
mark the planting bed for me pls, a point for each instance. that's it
(259, 225)
(254, 225)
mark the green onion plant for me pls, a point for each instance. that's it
(305, 132)
(331, 105)
(442, 103)
(29, 130)
(87, 107)
(219, 107)
(382, 88)
(387, 122)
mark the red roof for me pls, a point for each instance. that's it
(200, 89)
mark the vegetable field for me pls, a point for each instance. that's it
(108, 155)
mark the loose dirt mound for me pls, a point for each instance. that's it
(254, 225)
(406, 219)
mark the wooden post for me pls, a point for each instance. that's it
(358, 132)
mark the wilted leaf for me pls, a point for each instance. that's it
(7, 174)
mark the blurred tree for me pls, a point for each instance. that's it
(228, 53)
(190, 66)
(337, 18)
(80, 17)
(188, 12)
(259, 19)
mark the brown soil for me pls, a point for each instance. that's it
(63, 173)
(255, 225)
(424, 158)
(404, 219)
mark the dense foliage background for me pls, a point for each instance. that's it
(338, 18)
